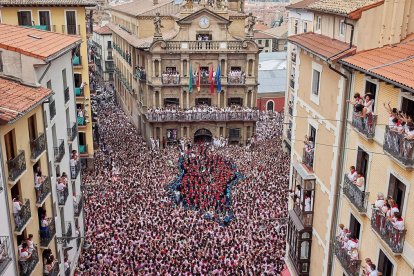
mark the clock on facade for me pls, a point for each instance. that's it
(204, 22)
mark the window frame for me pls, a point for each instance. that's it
(50, 18)
(342, 28)
(315, 97)
(31, 17)
(318, 24)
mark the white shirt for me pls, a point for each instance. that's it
(61, 186)
(379, 203)
(352, 176)
(16, 207)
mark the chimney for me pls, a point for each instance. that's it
(155, 2)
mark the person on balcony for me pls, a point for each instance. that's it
(17, 207)
(374, 271)
(393, 112)
(394, 207)
(380, 201)
(24, 253)
(44, 227)
(397, 221)
(73, 164)
(351, 243)
(39, 179)
(356, 100)
(61, 187)
(352, 175)
(309, 144)
(360, 181)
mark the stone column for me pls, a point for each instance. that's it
(153, 99)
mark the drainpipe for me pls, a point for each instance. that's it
(341, 151)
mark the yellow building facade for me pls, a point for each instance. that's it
(67, 17)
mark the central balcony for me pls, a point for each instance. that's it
(62, 196)
(72, 132)
(203, 46)
(43, 191)
(26, 267)
(357, 197)
(16, 167)
(393, 237)
(250, 116)
(78, 206)
(22, 218)
(351, 266)
(47, 234)
(365, 126)
(5, 257)
(59, 151)
(399, 148)
(170, 80)
(37, 147)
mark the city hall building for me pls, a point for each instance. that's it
(159, 48)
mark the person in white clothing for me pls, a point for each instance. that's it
(380, 201)
(17, 206)
(352, 175)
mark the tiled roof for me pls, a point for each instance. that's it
(136, 42)
(343, 7)
(103, 30)
(278, 32)
(141, 7)
(300, 5)
(87, 3)
(260, 27)
(35, 43)
(323, 46)
(393, 62)
(261, 35)
(17, 99)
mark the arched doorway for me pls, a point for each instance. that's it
(203, 135)
(270, 106)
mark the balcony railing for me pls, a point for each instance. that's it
(289, 134)
(71, 29)
(37, 146)
(5, 257)
(203, 46)
(81, 121)
(72, 132)
(23, 216)
(170, 79)
(77, 60)
(293, 57)
(16, 166)
(393, 237)
(83, 149)
(44, 190)
(59, 151)
(74, 170)
(241, 79)
(306, 217)
(55, 270)
(357, 197)
(139, 73)
(47, 233)
(67, 95)
(124, 54)
(52, 109)
(62, 195)
(51, 28)
(308, 158)
(291, 110)
(26, 267)
(398, 147)
(365, 126)
(351, 266)
(292, 83)
(203, 116)
(78, 206)
(68, 230)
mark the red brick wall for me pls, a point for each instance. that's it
(279, 102)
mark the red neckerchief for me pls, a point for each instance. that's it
(400, 219)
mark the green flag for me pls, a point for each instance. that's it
(190, 81)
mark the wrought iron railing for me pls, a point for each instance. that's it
(16, 166)
(306, 217)
(71, 29)
(351, 266)
(72, 132)
(66, 94)
(365, 126)
(38, 146)
(308, 158)
(200, 46)
(397, 146)
(241, 79)
(78, 206)
(47, 233)
(59, 151)
(170, 79)
(383, 226)
(52, 109)
(74, 170)
(55, 270)
(62, 195)
(358, 197)
(23, 216)
(44, 190)
(5, 257)
(26, 267)
(203, 116)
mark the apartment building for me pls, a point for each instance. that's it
(38, 134)
(71, 17)
(332, 63)
(102, 43)
(155, 68)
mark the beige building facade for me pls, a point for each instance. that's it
(317, 108)
(192, 37)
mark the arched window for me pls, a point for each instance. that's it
(270, 106)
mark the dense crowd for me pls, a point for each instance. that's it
(134, 228)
